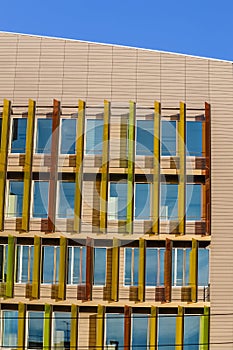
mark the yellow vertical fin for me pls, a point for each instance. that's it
(100, 327)
(180, 328)
(62, 269)
(21, 325)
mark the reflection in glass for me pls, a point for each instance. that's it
(68, 136)
(18, 137)
(168, 145)
(145, 138)
(35, 329)
(94, 136)
(24, 266)
(100, 266)
(194, 138)
(117, 203)
(10, 329)
(44, 136)
(40, 203)
(169, 202)
(154, 266)
(50, 270)
(193, 202)
(203, 267)
(142, 201)
(66, 199)
(167, 339)
(191, 332)
(139, 331)
(115, 329)
(131, 266)
(15, 199)
(76, 265)
(61, 330)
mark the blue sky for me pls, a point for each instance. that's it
(195, 27)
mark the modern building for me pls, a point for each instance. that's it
(115, 187)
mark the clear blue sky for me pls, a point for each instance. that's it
(195, 27)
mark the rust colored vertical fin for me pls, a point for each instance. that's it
(6, 114)
(168, 270)
(208, 166)
(53, 166)
(89, 267)
(127, 328)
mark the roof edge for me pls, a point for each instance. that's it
(118, 45)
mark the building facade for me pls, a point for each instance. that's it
(115, 197)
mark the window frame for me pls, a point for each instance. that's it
(33, 201)
(58, 199)
(109, 188)
(55, 267)
(148, 330)
(105, 325)
(138, 119)
(27, 329)
(85, 138)
(2, 328)
(184, 266)
(132, 268)
(36, 134)
(4, 262)
(201, 202)
(53, 323)
(165, 119)
(158, 284)
(7, 198)
(94, 252)
(150, 200)
(60, 135)
(11, 134)
(29, 267)
(72, 267)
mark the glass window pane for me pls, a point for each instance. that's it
(139, 331)
(203, 267)
(66, 199)
(180, 267)
(187, 265)
(22, 264)
(40, 203)
(49, 275)
(145, 137)
(115, 330)
(161, 264)
(191, 332)
(128, 264)
(194, 138)
(166, 340)
(117, 203)
(18, 137)
(1, 262)
(10, 329)
(61, 330)
(94, 136)
(151, 266)
(44, 136)
(68, 136)
(169, 202)
(142, 202)
(35, 329)
(131, 266)
(76, 265)
(15, 199)
(168, 138)
(193, 202)
(100, 266)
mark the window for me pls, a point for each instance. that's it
(100, 266)
(193, 202)
(44, 135)
(114, 330)
(145, 138)
(203, 267)
(168, 146)
(167, 340)
(10, 329)
(50, 264)
(76, 265)
(40, 203)
(61, 330)
(68, 136)
(66, 199)
(35, 330)
(155, 266)
(3, 262)
(94, 136)
(142, 201)
(18, 135)
(131, 266)
(180, 266)
(191, 332)
(139, 331)
(24, 266)
(194, 138)
(117, 203)
(169, 202)
(15, 199)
